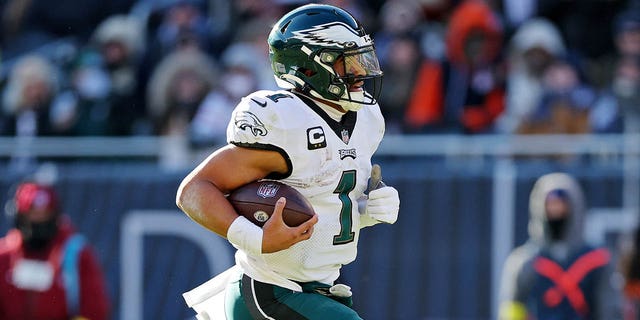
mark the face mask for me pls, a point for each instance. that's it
(36, 235)
(557, 228)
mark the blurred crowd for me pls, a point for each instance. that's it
(178, 67)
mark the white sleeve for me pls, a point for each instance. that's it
(256, 126)
(256, 123)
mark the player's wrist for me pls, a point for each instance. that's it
(245, 236)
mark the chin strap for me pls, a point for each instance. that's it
(346, 104)
(350, 106)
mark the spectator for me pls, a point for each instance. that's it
(556, 274)
(103, 95)
(399, 77)
(627, 32)
(28, 98)
(586, 26)
(177, 87)
(239, 77)
(182, 24)
(246, 68)
(249, 48)
(534, 46)
(397, 19)
(618, 108)
(28, 25)
(49, 271)
(120, 40)
(565, 104)
(399, 53)
(464, 93)
(87, 97)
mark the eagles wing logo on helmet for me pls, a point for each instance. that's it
(336, 33)
(245, 119)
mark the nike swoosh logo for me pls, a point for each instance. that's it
(262, 104)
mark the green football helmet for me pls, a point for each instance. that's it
(324, 52)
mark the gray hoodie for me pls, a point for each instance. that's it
(519, 276)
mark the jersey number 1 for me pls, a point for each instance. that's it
(347, 184)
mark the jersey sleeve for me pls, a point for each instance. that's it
(257, 123)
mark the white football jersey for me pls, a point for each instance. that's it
(330, 164)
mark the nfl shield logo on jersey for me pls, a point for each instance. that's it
(345, 135)
(268, 190)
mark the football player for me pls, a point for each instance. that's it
(317, 135)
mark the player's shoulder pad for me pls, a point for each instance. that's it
(268, 105)
(269, 99)
(260, 116)
(373, 116)
(375, 112)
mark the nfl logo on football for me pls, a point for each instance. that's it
(268, 190)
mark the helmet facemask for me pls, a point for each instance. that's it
(357, 73)
(351, 76)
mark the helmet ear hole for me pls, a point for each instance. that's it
(307, 72)
(328, 57)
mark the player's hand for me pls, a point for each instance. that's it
(382, 203)
(279, 236)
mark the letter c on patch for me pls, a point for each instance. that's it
(316, 138)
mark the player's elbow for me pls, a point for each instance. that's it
(179, 200)
(190, 197)
(182, 195)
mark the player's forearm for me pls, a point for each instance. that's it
(205, 204)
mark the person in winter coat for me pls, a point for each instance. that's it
(465, 92)
(556, 274)
(49, 271)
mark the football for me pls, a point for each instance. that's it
(256, 201)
